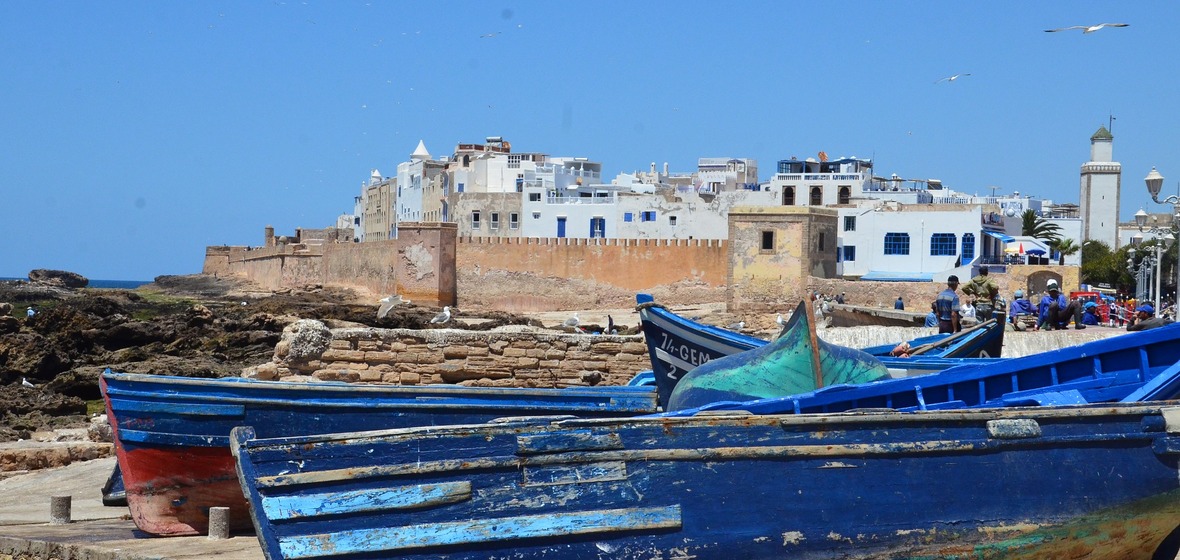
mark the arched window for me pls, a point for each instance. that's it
(844, 194)
(789, 196)
(897, 243)
(817, 196)
(942, 245)
(968, 250)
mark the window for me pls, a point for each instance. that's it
(850, 252)
(494, 223)
(460, 187)
(534, 197)
(597, 227)
(536, 215)
(844, 194)
(968, 250)
(821, 241)
(897, 243)
(849, 223)
(671, 220)
(628, 216)
(788, 196)
(475, 220)
(514, 221)
(817, 196)
(647, 216)
(942, 244)
(767, 241)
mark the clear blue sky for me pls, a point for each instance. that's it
(133, 134)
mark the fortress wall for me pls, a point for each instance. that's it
(372, 265)
(477, 359)
(535, 274)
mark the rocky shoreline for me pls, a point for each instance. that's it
(195, 325)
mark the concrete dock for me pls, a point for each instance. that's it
(96, 532)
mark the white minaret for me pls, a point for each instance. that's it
(1101, 183)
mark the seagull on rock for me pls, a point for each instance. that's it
(737, 326)
(443, 316)
(388, 302)
(1087, 28)
(25, 382)
(780, 320)
(951, 78)
(572, 322)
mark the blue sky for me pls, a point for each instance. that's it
(134, 134)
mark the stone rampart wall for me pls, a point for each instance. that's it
(478, 359)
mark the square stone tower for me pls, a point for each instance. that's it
(772, 251)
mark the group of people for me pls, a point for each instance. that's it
(1054, 311)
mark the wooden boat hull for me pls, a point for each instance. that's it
(677, 345)
(172, 433)
(1106, 370)
(1093, 481)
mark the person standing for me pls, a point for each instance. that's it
(983, 291)
(899, 304)
(947, 306)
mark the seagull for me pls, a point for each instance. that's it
(737, 326)
(26, 383)
(387, 303)
(1087, 28)
(780, 320)
(443, 316)
(572, 321)
(951, 78)
(489, 35)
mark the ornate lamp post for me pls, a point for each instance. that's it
(1155, 182)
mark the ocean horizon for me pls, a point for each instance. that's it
(103, 284)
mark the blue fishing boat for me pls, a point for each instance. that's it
(172, 433)
(1106, 370)
(1088, 481)
(676, 345)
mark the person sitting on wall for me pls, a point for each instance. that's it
(932, 317)
(1020, 311)
(899, 304)
(1056, 310)
(1090, 314)
(1145, 318)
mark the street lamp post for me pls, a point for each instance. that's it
(1155, 182)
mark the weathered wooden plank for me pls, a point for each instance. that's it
(578, 440)
(575, 474)
(389, 539)
(179, 408)
(283, 508)
(140, 436)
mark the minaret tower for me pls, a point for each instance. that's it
(1101, 183)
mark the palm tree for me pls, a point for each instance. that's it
(1064, 248)
(1033, 225)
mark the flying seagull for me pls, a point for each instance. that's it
(388, 302)
(572, 321)
(443, 316)
(1087, 28)
(26, 383)
(951, 78)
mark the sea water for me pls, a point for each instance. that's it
(105, 284)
